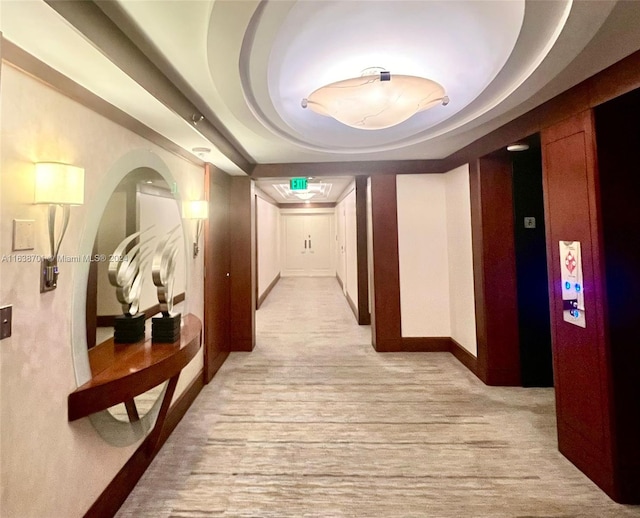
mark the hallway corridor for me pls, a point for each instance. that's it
(315, 423)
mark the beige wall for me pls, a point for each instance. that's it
(51, 467)
(268, 219)
(346, 249)
(460, 258)
(435, 256)
(422, 251)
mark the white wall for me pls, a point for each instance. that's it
(351, 246)
(50, 465)
(436, 258)
(422, 250)
(460, 251)
(268, 223)
(341, 246)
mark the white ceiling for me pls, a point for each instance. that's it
(252, 62)
(325, 190)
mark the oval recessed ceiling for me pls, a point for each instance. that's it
(292, 48)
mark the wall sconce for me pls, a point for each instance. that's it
(198, 210)
(57, 185)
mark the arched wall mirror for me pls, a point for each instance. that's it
(139, 194)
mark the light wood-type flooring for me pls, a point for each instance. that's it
(315, 423)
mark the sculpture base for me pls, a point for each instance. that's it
(128, 330)
(166, 329)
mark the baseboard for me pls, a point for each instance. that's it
(123, 483)
(242, 344)
(464, 357)
(262, 297)
(353, 307)
(429, 344)
(215, 365)
(339, 281)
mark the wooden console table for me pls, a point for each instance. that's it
(122, 371)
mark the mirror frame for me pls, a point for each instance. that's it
(115, 432)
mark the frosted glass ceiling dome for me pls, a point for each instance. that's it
(376, 100)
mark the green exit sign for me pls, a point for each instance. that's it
(298, 184)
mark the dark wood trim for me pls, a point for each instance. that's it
(320, 205)
(613, 81)
(123, 483)
(109, 320)
(90, 19)
(242, 265)
(216, 363)
(425, 344)
(364, 317)
(25, 62)
(385, 313)
(494, 271)
(122, 371)
(262, 297)
(384, 167)
(216, 269)
(464, 357)
(352, 304)
(91, 311)
(581, 356)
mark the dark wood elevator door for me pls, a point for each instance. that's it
(216, 266)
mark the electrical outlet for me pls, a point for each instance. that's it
(5, 322)
(23, 234)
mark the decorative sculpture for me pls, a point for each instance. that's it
(126, 272)
(167, 327)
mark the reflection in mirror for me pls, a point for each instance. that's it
(141, 201)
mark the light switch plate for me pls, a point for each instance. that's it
(23, 234)
(529, 222)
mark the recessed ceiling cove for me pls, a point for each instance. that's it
(292, 48)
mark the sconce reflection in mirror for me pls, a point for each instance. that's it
(126, 272)
(166, 328)
(198, 210)
(58, 185)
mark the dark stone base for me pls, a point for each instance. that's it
(166, 329)
(128, 330)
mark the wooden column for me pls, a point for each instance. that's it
(364, 317)
(385, 313)
(580, 355)
(242, 267)
(494, 271)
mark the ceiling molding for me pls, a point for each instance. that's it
(90, 20)
(618, 79)
(32, 66)
(328, 205)
(349, 168)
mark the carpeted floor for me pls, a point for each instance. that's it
(315, 423)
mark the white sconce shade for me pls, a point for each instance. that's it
(59, 184)
(198, 210)
(195, 209)
(376, 100)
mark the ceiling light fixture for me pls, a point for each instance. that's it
(304, 195)
(377, 99)
(518, 146)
